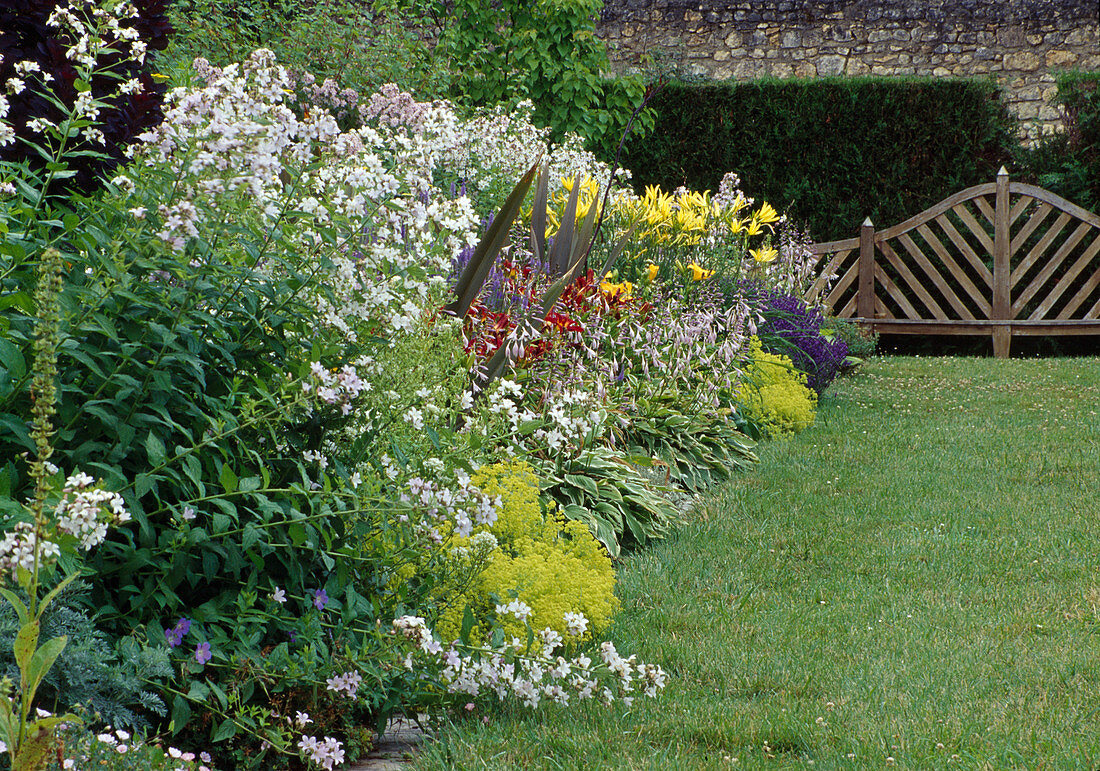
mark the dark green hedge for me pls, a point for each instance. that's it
(828, 151)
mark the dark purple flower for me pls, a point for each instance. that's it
(202, 653)
(320, 599)
(793, 328)
(176, 634)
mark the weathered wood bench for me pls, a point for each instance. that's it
(971, 266)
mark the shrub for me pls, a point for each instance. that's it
(775, 395)
(829, 152)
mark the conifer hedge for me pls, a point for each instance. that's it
(828, 151)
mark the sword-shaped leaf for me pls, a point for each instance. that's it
(488, 248)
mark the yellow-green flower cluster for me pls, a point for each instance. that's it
(552, 565)
(774, 394)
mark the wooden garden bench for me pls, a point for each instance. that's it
(1001, 258)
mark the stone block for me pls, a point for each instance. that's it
(791, 39)
(1011, 36)
(856, 67)
(1034, 40)
(830, 65)
(782, 69)
(1022, 60)
(1060, 58)
(721, 55)
(805, 70)
(1080, 37)
(1027, 110)
(1048, 112)
(733, 39)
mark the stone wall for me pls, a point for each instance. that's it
(1021, 43)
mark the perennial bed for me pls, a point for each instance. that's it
(912, 582)
(323, 408)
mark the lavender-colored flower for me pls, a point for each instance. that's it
(176, 634)
(320, 599)
(202, 653)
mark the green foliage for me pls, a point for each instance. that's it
(698, 447)
(339, 39)
(601, 488)
(543, 50)
(775, 395)
(1069, 164)
(829, 152)
(92, 675)
(552, 565)
(861, 343)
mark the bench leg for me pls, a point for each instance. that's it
(1002, 341)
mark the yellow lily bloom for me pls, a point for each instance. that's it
(698, 272)
(651, 272)
(765, 255)
(766, 213)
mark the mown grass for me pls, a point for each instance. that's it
(915, 581)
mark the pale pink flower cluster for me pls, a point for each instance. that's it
(508, 673)
(347, 683)
(336, 387)
(395, 108)
(327, 753)
(463, 506)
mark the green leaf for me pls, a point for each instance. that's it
(41, 663)
(24, 646)
(228, 479)
(155, 449)
(20, 609)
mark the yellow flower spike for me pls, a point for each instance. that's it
(651, 272)
(764, 255)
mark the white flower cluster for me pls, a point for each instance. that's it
(568, 419)
(85, 510)
(347, 683)
(327, 753)
(500, 144)
(532, 679)
(464, 506)
(18, 546)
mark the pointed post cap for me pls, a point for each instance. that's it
(1003, 172)
(867, 223)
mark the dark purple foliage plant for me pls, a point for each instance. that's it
(76, 79)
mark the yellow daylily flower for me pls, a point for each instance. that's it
(764, 255)
(766, 214)
(698, 272)
(651, 272)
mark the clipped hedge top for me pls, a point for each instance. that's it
(828, 151)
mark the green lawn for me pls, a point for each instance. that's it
(914, 581)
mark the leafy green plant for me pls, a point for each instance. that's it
(543, 50)
(602, 488)
(114, 683)
(699, 448)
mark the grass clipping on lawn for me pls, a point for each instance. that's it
(914, 581)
